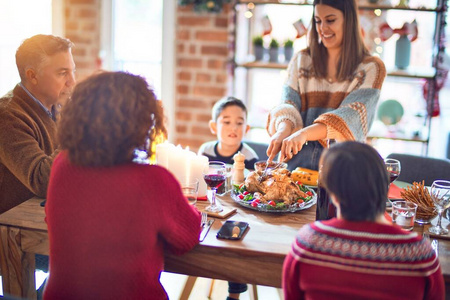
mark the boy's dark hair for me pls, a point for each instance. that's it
(355, 173)
(223, 103)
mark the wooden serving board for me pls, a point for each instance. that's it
(225, 213)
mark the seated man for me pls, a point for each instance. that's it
(359, 254)
(28, 117)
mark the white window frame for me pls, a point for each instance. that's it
(168, 50)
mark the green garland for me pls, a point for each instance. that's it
(205, 5)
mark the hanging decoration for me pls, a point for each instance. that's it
(408, 33)
(267, 25)
(205, 5)
(301, 28)
(441, 64)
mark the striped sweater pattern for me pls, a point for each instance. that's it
(363, 252)
(339, 259)
(346, 107)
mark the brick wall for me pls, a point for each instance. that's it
(83, 29)
(201, 71)
(202, 53)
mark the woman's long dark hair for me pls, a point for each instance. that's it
(353, 50)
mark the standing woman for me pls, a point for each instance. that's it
(332, 89)
(111, 220)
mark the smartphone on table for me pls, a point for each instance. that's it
(232, 230)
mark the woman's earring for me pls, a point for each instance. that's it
(320, 40)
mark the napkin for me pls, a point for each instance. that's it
(202, 198)
(394, 192)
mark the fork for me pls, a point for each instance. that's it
(204, 219)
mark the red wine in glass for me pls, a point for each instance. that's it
(393, 176)
(393, 168)
(214, 180)
(214, 174)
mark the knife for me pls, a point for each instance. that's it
(205, 229)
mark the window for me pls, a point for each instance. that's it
(135, 43)
(17, 24)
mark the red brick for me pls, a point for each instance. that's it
(192, 49)
(218, 36)
(87, 13)
(191, 21)
(209, 91)
(203, 130)
(80, 51)
(203, 118)
(180, 48)
(215, 50)
(181, 128)
(190, 63)
(184, 76)
(221, 22)
(202, 78)
(216, 64)
(183, 116)
(71, 25)
(221, 78)
(183, 35)
(89, 26)
(189, 103)
(182, 89)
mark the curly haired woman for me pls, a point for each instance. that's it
(109, 223)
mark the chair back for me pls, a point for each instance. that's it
(418, 168)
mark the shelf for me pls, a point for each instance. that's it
(399, 138)
(367, 6)
(411, 72)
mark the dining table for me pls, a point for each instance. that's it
(255, 259)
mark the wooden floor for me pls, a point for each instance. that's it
(174, 283)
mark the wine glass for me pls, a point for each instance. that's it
(440, 194)
(215, 175)
(393, 167)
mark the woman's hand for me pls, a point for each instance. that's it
(276, 140)
(292, 145)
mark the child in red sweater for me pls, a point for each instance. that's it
(109, 222)
(359, 254)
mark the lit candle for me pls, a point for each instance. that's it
(162, 153)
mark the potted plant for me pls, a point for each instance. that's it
(288, 49)
(273, 50)
(258, 47)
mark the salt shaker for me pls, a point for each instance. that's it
(238, 168)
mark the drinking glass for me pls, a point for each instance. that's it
(189, 187)
(440, 194)
(215, 174)
(393, 167)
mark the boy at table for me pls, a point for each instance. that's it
(229, 124)
(359, 254)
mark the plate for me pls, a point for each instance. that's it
(271, 209)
